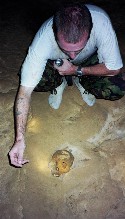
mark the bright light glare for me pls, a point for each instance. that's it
(42, 166)
(41, 162)
(34, 125)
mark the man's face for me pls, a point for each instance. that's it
(71, 49)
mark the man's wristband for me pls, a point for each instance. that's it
(79, 72)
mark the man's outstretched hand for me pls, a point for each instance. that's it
(16, 154)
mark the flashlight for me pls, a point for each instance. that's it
(59, 62)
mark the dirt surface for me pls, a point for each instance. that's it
(94, 188)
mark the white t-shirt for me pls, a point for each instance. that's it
(102, 39)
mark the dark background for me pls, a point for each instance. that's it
(20, 20)
(30, 14)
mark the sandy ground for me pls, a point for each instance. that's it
(94, 188)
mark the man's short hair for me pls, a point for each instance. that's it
(72, 21)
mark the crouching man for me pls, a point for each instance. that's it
(83, 37)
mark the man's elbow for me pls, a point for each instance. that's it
(25, 91)
(116, 72)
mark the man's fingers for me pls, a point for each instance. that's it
(19, 163)
(16, 160)
(61, 73)
(25, 161)
(22, 161)
(13, 159)
(15, 163)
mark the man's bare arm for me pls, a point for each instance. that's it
(21, 111)
(21, 114)
(98, 70)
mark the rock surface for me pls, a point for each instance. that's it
(94, 188)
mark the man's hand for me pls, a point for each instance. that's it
(67, 68)
(16, 154)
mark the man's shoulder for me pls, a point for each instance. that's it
(44, 44)
(97, 12)
(46, 25)
(44, 35)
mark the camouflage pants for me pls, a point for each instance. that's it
(102, 87)
(50, 80)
